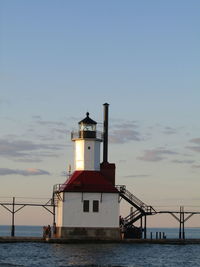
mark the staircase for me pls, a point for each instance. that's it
(56, 194)
(132, 217)
(142, 209)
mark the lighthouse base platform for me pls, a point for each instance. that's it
(88, 233)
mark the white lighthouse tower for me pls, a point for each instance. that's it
(87, 146)
(88, 202)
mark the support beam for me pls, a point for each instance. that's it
(145, 226)
(13, 218)
(10, 206)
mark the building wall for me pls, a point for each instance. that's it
(87, 155)
(89, 233)
(72, 214)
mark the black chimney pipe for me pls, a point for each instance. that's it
(105, 133)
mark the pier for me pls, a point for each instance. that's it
(14, 207)
(140, 213)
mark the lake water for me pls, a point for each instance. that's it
(97, 255)
(37, 231)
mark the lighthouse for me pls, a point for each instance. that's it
(88, 202)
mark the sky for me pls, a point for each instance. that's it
(60, 59)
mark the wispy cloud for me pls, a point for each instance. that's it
(195, 140)
(27, 172)
(125, 124)
(124, 133)
(50, 123)
(183, 161)
(52, 126)
(169, 130)
(36, 117)
(137, 176)
(121, 161)
(195, 148)
(156, 154)
(196, 166)
(24, 149)
(124, 136)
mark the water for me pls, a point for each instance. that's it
(97, 255)
(21, 230)
(36, 231)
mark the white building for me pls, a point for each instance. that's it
(88, 202)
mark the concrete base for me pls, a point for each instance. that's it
(84, 233)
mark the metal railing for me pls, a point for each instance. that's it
(57, 188)
(122, 189)
(132, 216)
(147, 209)
(86, 134)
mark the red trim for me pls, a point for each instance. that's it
(88, 181)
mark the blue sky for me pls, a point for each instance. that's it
(59, 59)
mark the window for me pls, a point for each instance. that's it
(95, 206)
(86, 205)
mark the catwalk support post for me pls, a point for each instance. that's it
(13, 218)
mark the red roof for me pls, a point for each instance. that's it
(88, 181)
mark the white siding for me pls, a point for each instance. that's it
(79, 155)
(87, 155)
(73, 215)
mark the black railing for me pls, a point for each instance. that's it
(79, 187)
(86, 134)
(141, 205)
(122, 189)
(132, 216)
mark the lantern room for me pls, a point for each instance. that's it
(87, 127)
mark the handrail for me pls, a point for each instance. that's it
(146, 208)
(78, 135)
(80, 185)
(131, 215)
(122, 189)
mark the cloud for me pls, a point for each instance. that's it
(156, 154)
(196, 166)
(124, 136)
(169, 130)
(183, 161)
(53, 127)
(124, 133)
(125, 124)
(37, 117)
(39, 121)
(27, 172)
(50, 123)
(194, 148)
(29, 159)
(25, 149)
(136, 176)
(121, 161)
(195, 140)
